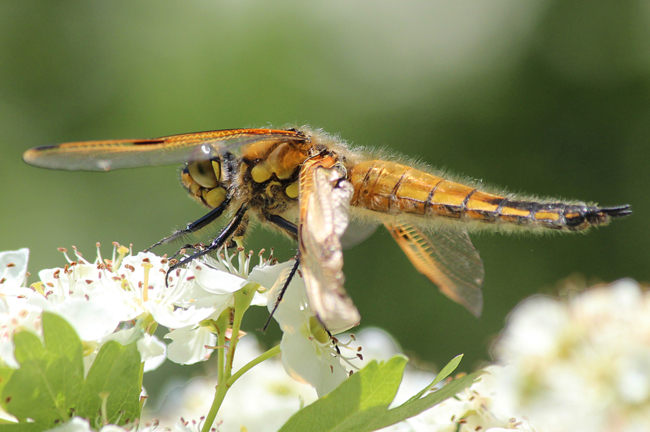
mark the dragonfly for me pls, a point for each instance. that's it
(324, 194)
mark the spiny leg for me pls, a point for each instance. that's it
(292, 230)
(226, 234)
(192, 227)
(282, 291)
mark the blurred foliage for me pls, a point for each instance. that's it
(547, 97)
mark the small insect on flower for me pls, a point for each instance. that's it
(310, 186)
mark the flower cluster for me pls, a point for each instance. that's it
(126, 298)
(582, 364)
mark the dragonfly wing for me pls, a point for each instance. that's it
(324, 199)
(130, 153)
(358, 231)
(447, 258)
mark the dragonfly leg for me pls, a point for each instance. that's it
(226, 234)
(191, 227)
(282, 291)
(292, 230)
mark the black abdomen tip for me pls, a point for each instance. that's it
(615, 212)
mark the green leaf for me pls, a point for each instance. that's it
(444, 373)
(415, 407)
(367, 393)
(46, 388)
(49, 388)
(361, 403)
(5, 375)
(116, 376)
(22, 427)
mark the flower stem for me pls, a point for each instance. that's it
(243, 300)
(214, 409)
(267, 355)
(222, 389)
(222, 324)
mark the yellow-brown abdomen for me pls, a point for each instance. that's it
(390, 187)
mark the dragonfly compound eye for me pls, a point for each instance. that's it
(205, 172)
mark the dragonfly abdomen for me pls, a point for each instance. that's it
(390, 187)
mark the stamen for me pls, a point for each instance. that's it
(122, 251)
(38, 287)
(145, 290)
(64, 251)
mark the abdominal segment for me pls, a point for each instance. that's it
(390, 187)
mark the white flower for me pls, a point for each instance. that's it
(473, 409)
(16, 313)
(308, 354)
(581, 364)
(233, 277)
(189, 344)
(260, 400)
(78, 424)
(170, 305)
(216, 279)
(13, 269)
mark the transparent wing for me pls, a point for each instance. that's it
(324, 199)
(358, 231)
(447, 258)
(131, 153)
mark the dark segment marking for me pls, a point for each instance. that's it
(496, 201)
(463, 205)
(398, 183)
(520, 205)
(502, 202)
(428, 203)
(365, 180)
(532, 208)
(454, 212)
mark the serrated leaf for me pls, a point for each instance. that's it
(5, 375)
(415, 407)
(345, 410)
(46, 388)
(116, 375)
(368, 392)
(49, 387)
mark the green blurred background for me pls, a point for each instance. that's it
(546, 97)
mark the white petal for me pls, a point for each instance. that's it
(268, 274)
(93, 320)
(216, 281)
(13, 268)
(533, 328)
(152, 352)
(260, 300)
(188, 344)
(165, 315)
(77, 424)
(291, 311)
(300, 361)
